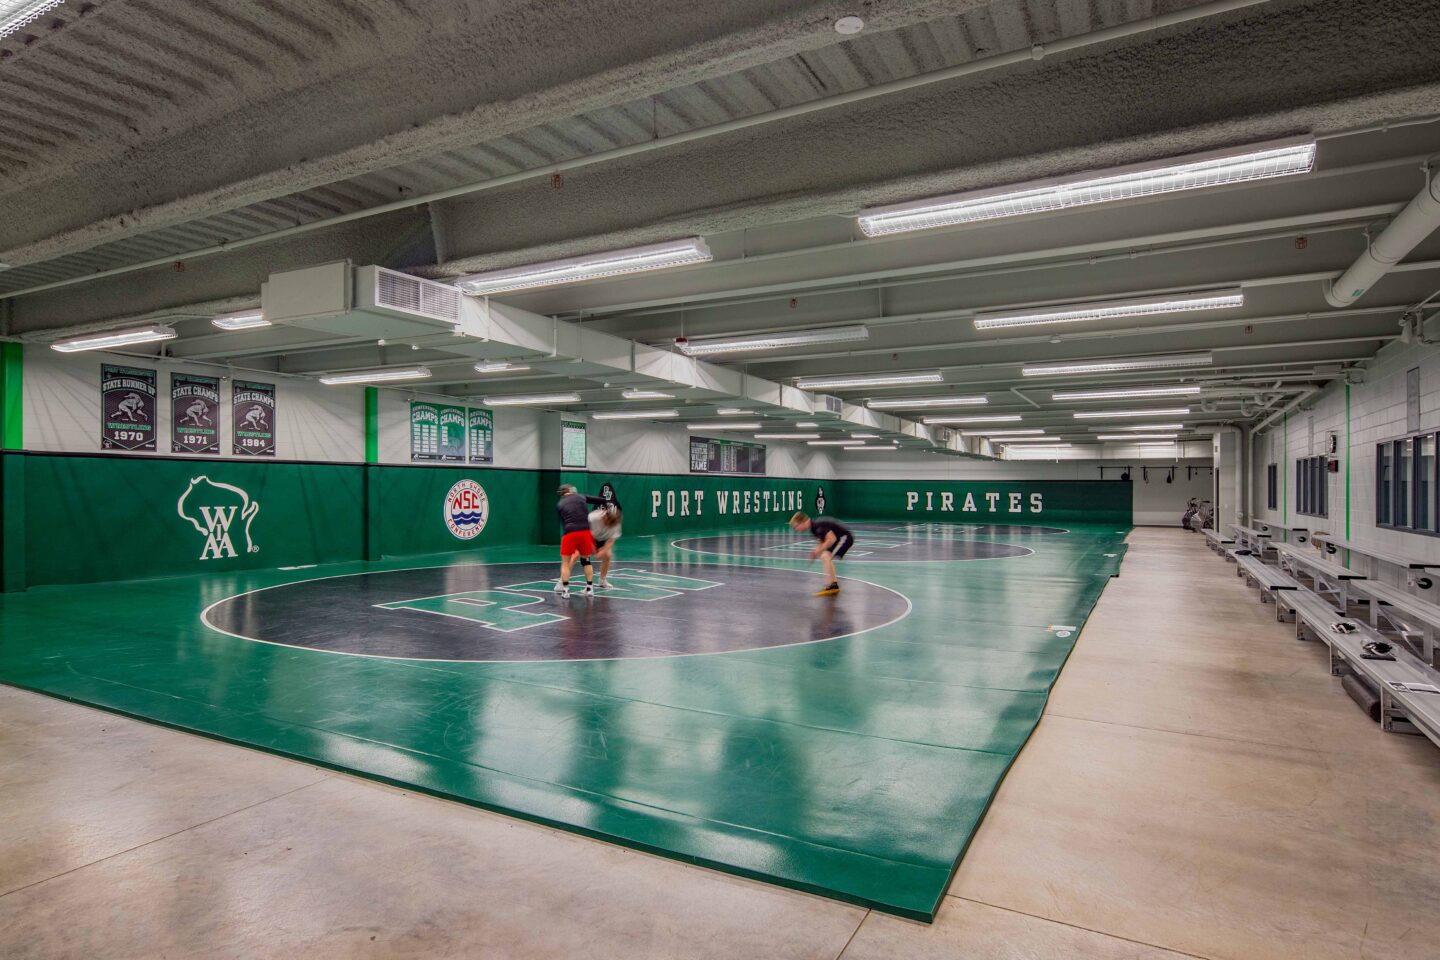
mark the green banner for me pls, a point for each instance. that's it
(990, 501)
(572, 445)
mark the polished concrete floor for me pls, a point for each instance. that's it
(1199, 787)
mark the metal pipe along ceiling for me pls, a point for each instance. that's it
(1417, 221)
(1039, 51)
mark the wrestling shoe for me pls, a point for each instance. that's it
(606, 585)
(589, 590)
(564, 592)
(829, 591)
(559, 586)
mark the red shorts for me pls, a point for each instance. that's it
(578, 542)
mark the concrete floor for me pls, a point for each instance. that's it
(1199, 787)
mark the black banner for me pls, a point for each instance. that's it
(194, 414)
(127, 408)
(253, 408)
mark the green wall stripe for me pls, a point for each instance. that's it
(372, 425)
(1347, 461)
(12, 409)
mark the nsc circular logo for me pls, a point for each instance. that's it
(466, 510)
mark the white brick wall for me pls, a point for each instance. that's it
(1377, 413)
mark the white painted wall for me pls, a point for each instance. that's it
(62, 408)
(1377, 413)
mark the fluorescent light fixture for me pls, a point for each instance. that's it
(240, 320)
(1010, 440)
(1125, 393)
(807, 425)
(1108, 309)
(773, 341)
(646, 395)
(17, 14)
(870, 380)
(1141, 427)
(1156, 412)
(724, 425)
(1131, 437)
(499, 366)
(865, 436)
(919, 403)
(993, 418)
(874, 447)
(635, 415)
(1215, 168)
(732, 412)
(1000, 433)
(787, 436)
(533, 399)
(612, 263)
(836, 443)
(383, 375)
(153, 333)
(1117, 364)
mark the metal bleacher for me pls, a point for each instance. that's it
(1406, 686)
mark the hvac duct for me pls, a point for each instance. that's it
(1413, 224)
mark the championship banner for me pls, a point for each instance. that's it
(127, 407)
(482, 436)
(253, 411)
(194, 414)
(437, 432)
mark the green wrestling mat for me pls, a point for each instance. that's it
(708, 708)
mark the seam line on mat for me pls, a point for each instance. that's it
(1076, 926)
(193, 826)
(1183, 733)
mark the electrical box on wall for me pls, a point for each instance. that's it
(1333, 465)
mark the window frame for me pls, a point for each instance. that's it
(1272, 486)
(1387, 507)
(1312, 486)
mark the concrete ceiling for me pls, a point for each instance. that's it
(165, 159)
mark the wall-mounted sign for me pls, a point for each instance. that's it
(482, 435)
(437, 432)
(194, 414)
(572, 445)
(726, 456)
(252, 407)
(127, 408)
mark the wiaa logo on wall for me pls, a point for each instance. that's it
(219, 512)
(467, 509)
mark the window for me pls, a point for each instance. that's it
(1407, 484)
(1310, 486)
(1401, 510)
(1272, 486)
(1384, 496)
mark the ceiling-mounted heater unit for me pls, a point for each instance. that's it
(825, 403)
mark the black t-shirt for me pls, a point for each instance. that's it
(820, 528)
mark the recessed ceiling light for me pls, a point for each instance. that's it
(1237, 165)
(104, 340)
(383, 375)
(655, 256)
